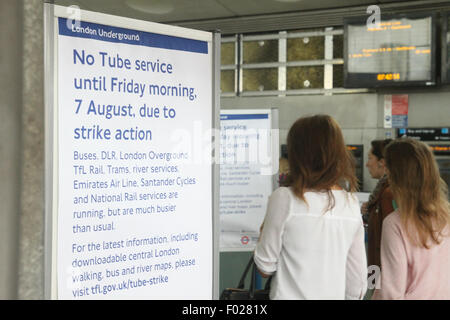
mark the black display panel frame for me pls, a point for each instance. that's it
(445, 63)
(354, 82)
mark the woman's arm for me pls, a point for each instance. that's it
(269, 245)
(394, 262)
(263, 274)
(356, 268)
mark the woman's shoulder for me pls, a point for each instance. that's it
(393, 220)
(282, 192)
(286, 195)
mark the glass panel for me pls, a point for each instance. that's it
(227, 53)
(338, 76)
(338, 47)
(260, 51)
(227, 80)
(305, 77)
(307, 48)
(260, 79)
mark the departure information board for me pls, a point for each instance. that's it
(441, 149)
(398, 51)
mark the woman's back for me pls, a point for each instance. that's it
(410, 271)
(316, 254)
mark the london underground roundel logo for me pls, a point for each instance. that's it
(245, 240)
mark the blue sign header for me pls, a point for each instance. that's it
(121, 35)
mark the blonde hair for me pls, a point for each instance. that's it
(419, 191)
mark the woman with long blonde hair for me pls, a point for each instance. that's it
(415, 245)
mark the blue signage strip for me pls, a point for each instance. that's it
(243, 116)
(102, 32)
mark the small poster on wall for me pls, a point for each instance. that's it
(396, 111)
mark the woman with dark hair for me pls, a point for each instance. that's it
(415, 241)
(312, 240)
(380, 200)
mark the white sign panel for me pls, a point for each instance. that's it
(245, 176)
(388, 111)
(135, 206)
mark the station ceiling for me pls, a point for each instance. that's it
(175, 11)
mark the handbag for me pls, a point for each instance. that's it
(240, 293)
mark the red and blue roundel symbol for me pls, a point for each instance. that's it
(245, 240)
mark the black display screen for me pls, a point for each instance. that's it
(400, 51)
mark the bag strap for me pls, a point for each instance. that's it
(244, 275)
(267, 286)
(241, 284)
(252, 282)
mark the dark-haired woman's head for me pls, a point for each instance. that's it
(318, 157)
(375, 161)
